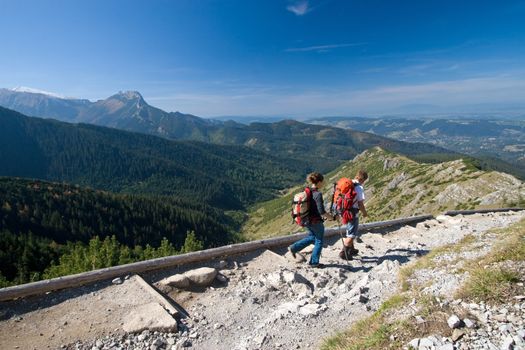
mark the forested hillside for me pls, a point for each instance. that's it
(38, 219)
(177, 187)
(228, 177)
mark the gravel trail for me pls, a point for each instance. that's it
(265, 300)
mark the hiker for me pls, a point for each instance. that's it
(314, 225)
(352, 225)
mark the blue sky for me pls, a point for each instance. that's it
(271, 57)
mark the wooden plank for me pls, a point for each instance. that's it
(165, 303)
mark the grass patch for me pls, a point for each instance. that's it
(511, 248)
(489, 285)
(489, 282)
(392, 303)
(383, 331)
(370, 333)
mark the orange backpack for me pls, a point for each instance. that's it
(343, 199)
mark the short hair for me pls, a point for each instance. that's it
(362, 174)
(314, 178)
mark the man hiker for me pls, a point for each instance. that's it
(352, 226)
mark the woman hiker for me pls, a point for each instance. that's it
(315, 226)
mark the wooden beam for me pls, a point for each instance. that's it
(70, 281)
(479, 211)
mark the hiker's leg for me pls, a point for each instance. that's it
(353, 236)
(301, 244)
(318, 231)
(351, 230)
(348, 242)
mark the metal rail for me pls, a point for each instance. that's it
(70, 281)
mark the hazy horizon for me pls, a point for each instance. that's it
(300, 58)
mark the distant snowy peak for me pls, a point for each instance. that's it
(130, 95)
(36, 91)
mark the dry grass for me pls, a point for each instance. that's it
(492, 285)
(383, 330)
(370, 333)
(490, 280)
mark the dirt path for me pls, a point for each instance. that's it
(268, 301)
(50, 321)
(272, 302)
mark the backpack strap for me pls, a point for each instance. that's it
(353, 210)
(350, 207)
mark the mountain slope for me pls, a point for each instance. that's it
(39, 221)
(125, 110)
(400, 187)
(42, 105)
(228, 177)
(128, 111)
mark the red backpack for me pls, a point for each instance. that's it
(343, 199)
(301, 207)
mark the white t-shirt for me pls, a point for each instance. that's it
(360, 193)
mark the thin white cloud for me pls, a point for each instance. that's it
(299, 8)
(321, 48)
(498, 90)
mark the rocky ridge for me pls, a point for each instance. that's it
(400, 187)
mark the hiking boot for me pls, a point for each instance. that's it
(292, 253)
(352, 251)
(297, 257)
(317, 266)
(345, 254)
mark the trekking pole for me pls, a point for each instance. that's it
(332, 204)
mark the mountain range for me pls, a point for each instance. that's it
(228, 177)
(125, 110)
(494, 139)
(321, 146)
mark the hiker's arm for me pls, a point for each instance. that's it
(362, 208)
(320, 203)
(318, 199)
